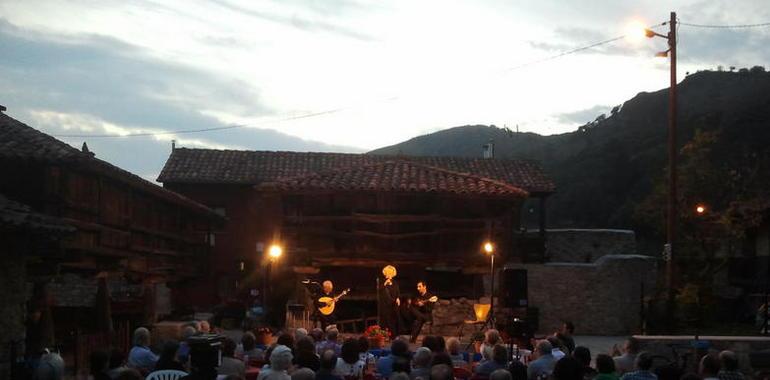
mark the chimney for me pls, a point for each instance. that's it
(85, 149)
(173, 145)
(488, 149)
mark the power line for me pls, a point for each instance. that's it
(186, 131)
(737, 26)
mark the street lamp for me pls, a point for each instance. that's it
(274, 252)
(489, 249)
(700, 209)
(672, 114)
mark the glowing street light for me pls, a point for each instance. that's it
(636, 31)
(275, 251)
(489, 249)
(700, 209)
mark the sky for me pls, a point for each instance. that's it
(339, 75)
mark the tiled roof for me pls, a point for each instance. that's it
(19, 141)
(397, 175)
(15, 215)
(256, 167)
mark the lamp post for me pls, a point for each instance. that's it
(489, 249)
(672, 113)
(274, 252)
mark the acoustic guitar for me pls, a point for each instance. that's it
(433, 299)
(330, 302)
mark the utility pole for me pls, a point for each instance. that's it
(672, 198)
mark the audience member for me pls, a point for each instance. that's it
(491, 338)
(363, 349)
(264, 338)
(318, 336)
(605, 366)
(432, 343)
(642, 367)
(453, 349)
(398, 349)
(444, 372)
(330, 343)
(541, 367)
(402, 365)
(499, 360)
(300, 333)
(117, 363)
(421, 364)
(305, 356)
(709, 367)
(583, 356)
(204, 327)
(229, 364)
(399, 376)
(565, 336)
(286, 339)
(140, 357)
(441, 358)
(518, 370)
(349, 365)
(328, 363)
(568, 368)
(168, 357)
(303, 373)
(99, 362)
(183, 355)
(500, 374)
(280, 362)
(248, 350)
(130, 374)
(556, 347)
(729, 369)
(625, 362)
(50, 367)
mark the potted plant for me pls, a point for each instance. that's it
(376, 336)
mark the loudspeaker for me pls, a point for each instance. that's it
(514, 289)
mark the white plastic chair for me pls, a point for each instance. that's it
(168, 374)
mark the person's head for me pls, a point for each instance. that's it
(332, 334)
(328, 286)
(228, 347)
(349, 351)
(170, 350)
(555, 343)
(632, 345)
(317, 334)
(478, 340)
(305, 345)
(492, 337)
(303, 374)
(401, 364)
(299, 333)
(205, 327)
(568, 368)
(441, 358)
(544, 347)
(141, 337)
(286, 339)
(487, 352)
(431, 342)
(280, 359)
(187, 332)
(567, 328)
(605, 364)
(99, 361)
(500, 354)
(453, 346)
(643, 361)
(363, 344)
(328, 360)
(709, 365)
(422, 287)
(422, 357)
(399, 348)
(248, 341)
(440, 344)
(389, 271)
(500, 374)
(442, 372)
(729, 360)
(583, 355)
(518, 370)
(117, 358)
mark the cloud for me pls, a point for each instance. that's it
(582, 116)
(91, 84)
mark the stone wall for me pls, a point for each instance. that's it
(601, 298)
(587, 246)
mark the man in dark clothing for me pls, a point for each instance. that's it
(422, 308)
(328, 362)
(565, 336)
(325, 291)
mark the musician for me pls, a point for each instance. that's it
(389, 300)
(422, 309)
(327, 287)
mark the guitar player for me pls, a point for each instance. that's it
(327, 287)
(421, 308)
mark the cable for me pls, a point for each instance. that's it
(180, 132)
(738, 26)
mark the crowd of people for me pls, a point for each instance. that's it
(323, 355)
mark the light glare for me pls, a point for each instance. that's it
(636, 31)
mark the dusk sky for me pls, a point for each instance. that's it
(339, 75)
